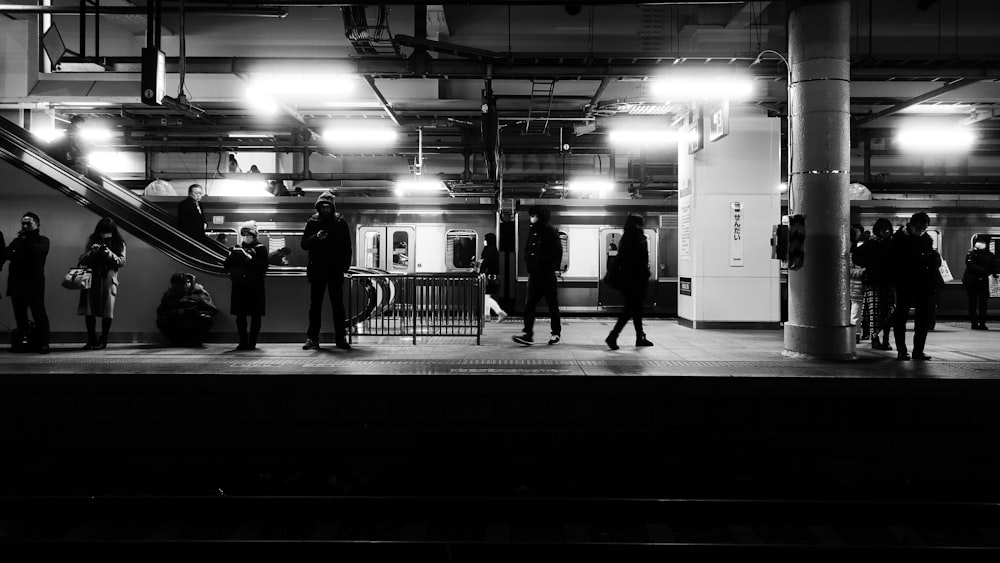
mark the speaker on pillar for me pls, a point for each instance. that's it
(505, 240)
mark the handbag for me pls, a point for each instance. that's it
(994, 286)
(77, 278)
(945, 271)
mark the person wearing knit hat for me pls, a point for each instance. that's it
(247, 265)
(327, 239)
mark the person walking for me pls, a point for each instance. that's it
(489, 265)
(190, 217)
(26, 280)
(247, 265)
(915, 264)
(878, 284)
(327, 239)
(543, 254)
(632, 271)
(980, 264)
(104, 254)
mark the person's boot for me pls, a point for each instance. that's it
(102, 342)
(91, 342)
(244, 341)
(612, 341)
(640, 340)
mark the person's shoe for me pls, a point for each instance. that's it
(310, 344)
(920, 356)
(242, 346)
(902, 357)
(102, 342)
(554, 339)
(501, 317)
(983, 327)
(612, 341)
(343, 345)
(90, 345)
(43, 349)
(641, 341)
(524, 339)
(857, 338)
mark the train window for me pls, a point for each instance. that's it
(284, 248)
(564, 240)
(935, 237)
(227, 237)
(461, 246)
(373, 249)
(400, 251)
(992, 238)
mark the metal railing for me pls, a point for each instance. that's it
(429, 304)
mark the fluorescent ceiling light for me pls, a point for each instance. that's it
(418, 185)
(685, 88)
(634, 137)
(938, 108)
(47, 134)
(248, 135)
(936, 140)
(260, 102)
(95, 133)
(371, 136)
(590, 185)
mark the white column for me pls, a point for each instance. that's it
(728, 202)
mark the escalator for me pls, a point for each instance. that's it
(146, 221)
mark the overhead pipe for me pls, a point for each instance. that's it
(30, 9)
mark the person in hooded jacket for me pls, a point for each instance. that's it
(247, 264)
(632, 265)
(327, 239)
(543, 254)
(915, 264)
(979, 266)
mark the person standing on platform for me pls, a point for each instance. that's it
(489, 265)
(26, 280)
(104, 255)
(856, 286)
(980, 264)
(190, 217)
(879, 284)
(632, 271)
(327, 238)
(247, 264)
(915, 264)
(543, 254)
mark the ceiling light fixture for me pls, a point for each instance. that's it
(692, 88)
(371, 136)
(936, 139)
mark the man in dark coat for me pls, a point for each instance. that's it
(543, 254)
(26, 281)
(190, 217)
(979, 266)
(71, 149)
(327, 238)
(915, 264)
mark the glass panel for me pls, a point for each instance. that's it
(400, 251)
(285, 249)
(373, 248)
(462, 249)
(564, 240)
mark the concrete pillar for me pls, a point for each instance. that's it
(819, 108)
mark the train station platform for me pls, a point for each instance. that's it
(956, 351)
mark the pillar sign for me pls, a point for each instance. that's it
(736, 234)
(718, 120)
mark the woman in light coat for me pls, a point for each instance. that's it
(104, 255)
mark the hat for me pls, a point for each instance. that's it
(250, 227)
(326, 198)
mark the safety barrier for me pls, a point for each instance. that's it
(431, 304)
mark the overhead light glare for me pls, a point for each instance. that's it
(373, 136)
(590, 185)
(94, 134)
(296, 84)
(938, 108)
(643, 137)
(47, 134)
(260, 102)
(701, 88)
(936, 140)
(418, 185)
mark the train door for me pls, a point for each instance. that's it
(608, 253)
(386, 248)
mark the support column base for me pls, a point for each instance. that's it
(819, 342)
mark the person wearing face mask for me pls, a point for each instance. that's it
(915, 264)
(26, 280)
(327, 239)
(543, 254)
(979, 266)
(104, 255)
(247, 265)
(190, 216)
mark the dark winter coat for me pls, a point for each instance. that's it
(873, 256)
(490, 266)
(104, 263)
(247, 265)
(191, 218)
(914, 262)
(185, 316)
(27, 255)
(979, 265)
(330, 257)
(543, 252)
(632, 263)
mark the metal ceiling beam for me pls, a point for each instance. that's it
(386, 107)
(257, 11)
(867, 120)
